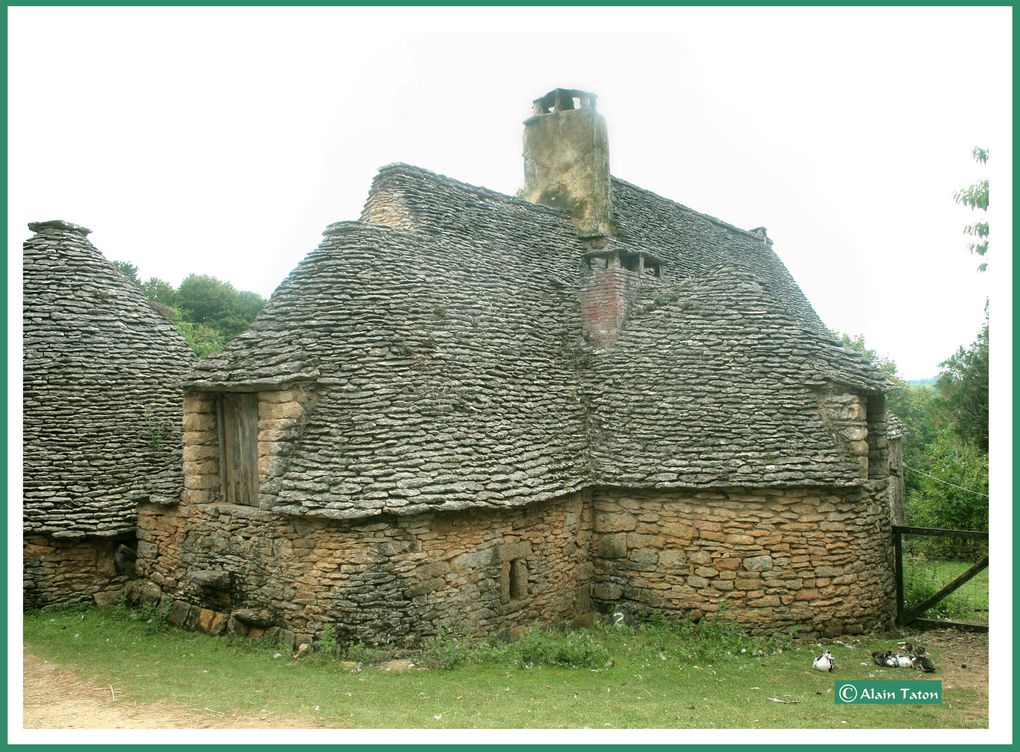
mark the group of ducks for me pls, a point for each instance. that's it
(907, 657)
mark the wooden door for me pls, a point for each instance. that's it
(239, 451)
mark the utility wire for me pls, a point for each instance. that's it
(944, 482)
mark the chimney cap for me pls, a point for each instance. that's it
(558, 100)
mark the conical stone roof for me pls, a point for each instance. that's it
(102, 391)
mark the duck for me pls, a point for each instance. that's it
(885, 658)
(905, 658)
(824, 662)
(922, 662)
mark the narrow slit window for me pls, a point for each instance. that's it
(518, 579)
(239, 432)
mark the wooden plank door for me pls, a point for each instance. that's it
(240, 448)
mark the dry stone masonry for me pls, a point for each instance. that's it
(102, 414)
(467, 413)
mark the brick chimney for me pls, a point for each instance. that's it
(566, 160)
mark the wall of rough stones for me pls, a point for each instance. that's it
(246, 570)
(72, 570)
(770, 559)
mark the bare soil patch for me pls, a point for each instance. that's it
(962, 658)
(58, 698)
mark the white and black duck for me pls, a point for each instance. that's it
(824, 662)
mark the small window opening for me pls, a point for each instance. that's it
(514, 581)
(652, 269)
(632, 263)
(518, 579)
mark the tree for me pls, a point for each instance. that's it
(976, 197)
(952, 490)
(856, 343)
(129, 270)
(207, 300)
(207, 311)
(962, 388)
(917, 406)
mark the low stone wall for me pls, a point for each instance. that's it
(225, 567)
(72, 570)
(772, 559)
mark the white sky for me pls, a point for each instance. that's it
(223, 141)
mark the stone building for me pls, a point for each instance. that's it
(102, 416)
(467, 412)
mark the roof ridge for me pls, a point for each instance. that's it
(408, 169)
(709, 217)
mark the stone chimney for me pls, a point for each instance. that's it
(566, 160)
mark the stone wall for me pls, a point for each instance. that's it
(73, 570)
(770, 559)
(248, 570)
(846, 414)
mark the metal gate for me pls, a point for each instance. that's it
(943, 553)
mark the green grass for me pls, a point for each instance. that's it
(654, 676)
(923, 577)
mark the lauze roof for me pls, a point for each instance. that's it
(441, 339)
(102, 391)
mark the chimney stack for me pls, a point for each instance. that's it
(566, 160)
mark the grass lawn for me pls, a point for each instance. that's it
(658, 677)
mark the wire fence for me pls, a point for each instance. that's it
(932, 561)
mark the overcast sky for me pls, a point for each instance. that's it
(223, 141)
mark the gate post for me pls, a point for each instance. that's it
(898, 554)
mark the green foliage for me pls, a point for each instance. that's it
(581, 648)
(327, 642)
(207, 300)
(206, 311)
(923, 576)
(963, 390)
(856, 343)
(917, 405)
(156, 620)
(975, 196)
(604, 646)
(203, 339)
(361, 652)
(952, 490)
(157, 429)
(159, 291)
(129, 270)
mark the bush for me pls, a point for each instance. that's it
(582, 648)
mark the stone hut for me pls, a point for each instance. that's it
(102, 417)
(466, 412)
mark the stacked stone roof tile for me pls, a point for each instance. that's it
(441, 339)
(102, 391)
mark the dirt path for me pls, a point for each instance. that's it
(57, 697)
